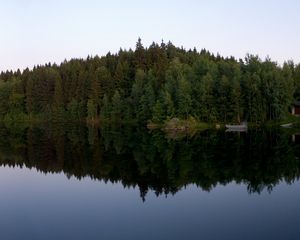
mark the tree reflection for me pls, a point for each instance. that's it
(260, 159)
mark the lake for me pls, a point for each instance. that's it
(73, 182)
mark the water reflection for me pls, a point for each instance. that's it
(259, 159)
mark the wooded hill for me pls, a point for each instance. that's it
(155, 83)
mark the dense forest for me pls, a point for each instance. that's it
(260, 160)
(152, 84)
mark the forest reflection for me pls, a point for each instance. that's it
(260, 159)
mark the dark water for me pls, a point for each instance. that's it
(69, 182)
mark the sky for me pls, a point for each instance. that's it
(36, 32)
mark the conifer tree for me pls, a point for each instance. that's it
(116, 110)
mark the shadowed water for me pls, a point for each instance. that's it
(73, 182)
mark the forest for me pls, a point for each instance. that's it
(154, 83)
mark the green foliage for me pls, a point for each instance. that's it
(73, 110)
(116, 109)
(146, 104)
(156, 83)
(184, 98)
(91, 110)
(137, 89)
(106, 108)
(58, 111)
(168, 104)
(158, 112)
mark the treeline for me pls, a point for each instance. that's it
(155, 83)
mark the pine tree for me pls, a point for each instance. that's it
(116, 110)
(105, 109)
(184, 98)
(146, 103)
(58, 102)
(91, 110)
(158, 112)
(137, 89)
(168, 104)
(140, 55)
(29, 95)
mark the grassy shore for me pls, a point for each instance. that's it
(191, 124)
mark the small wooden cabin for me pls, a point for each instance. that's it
(296, 108)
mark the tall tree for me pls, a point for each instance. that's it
(116, 110)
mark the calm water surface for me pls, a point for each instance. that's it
(69, 182)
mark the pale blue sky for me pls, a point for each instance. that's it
(39, 31)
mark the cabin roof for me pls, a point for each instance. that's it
(297, 103)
